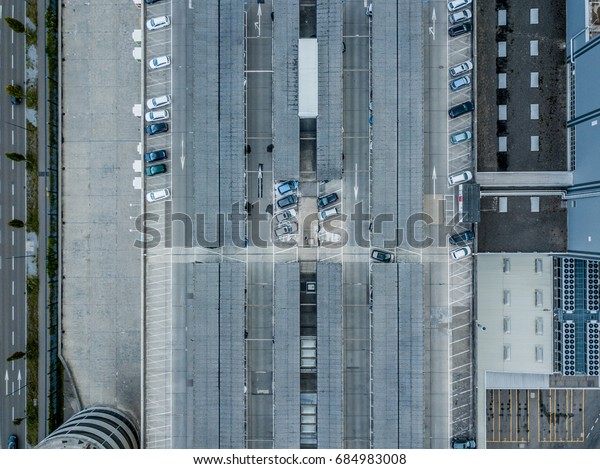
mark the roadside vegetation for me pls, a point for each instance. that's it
(32, 225)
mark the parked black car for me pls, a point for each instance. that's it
(461, 109)
(153, 156)
(460, 29)
(326, 200)
(462, 237)
(287, 201)
(157, 128)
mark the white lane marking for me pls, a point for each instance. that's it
(12, 211)
(0, 11)
(13, 263)
(13, 242)
(12, 11)
(12, 112)
(13, 313)
(13, 287)
(190, 5)
(13, 337)
(13, 189)
(12, 136)
(12, 36)
(12, 60)
(13, 412)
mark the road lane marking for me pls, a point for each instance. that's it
(13, 210)
(13, 188)
(12, 36)
(13, 313)
(13, 268)
(12, 136)
(12, 112)
(13, 238)
(13, 287)
(12, 60)
(13, 337)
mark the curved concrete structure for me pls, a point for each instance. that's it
(95, 428)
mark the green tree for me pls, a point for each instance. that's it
(15, 356)
(15, 91)
(15, 156)
(18, 421)
(15, 25)
(16, 223)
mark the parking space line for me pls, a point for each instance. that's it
(459, 327)
(460, 366)
(460, 340)
(467, 417)
(460, 353)
(461, 379)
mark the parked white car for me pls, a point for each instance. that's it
(285, 215)
(330, 212)
(461, 252)
(158, 22)
(458, 4)
(158, 195)
(159, 101)
(461, 68)
(154, 116)
(460, 16)
(159, 62)
(459, 178)
(460, 137)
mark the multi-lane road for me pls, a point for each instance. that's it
(13, 314)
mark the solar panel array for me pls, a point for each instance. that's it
(592, 277)
(329, 121)
(568, 284)
(330, 366)
(592, 361)
(568, 344)
(286, 369)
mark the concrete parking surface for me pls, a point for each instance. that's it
(542, 418)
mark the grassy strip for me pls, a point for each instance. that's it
(32, 350)
(33, 287)
(32, 12)
(33, 224)
(55, 402)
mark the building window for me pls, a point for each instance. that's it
(539, 353)
(539, 326)
(538, 298)
(506, 265)
(507, 324)
(539, 265)
(506, 352)
(506, 298)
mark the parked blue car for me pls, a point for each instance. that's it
(288, 186)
